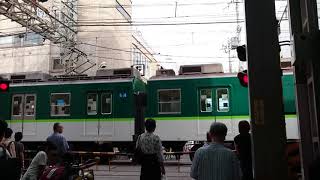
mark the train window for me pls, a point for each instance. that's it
(106, 103)
(60, 104)
(223, 100)
(169, 101)
(92, 103)
(17, 105)
(30, 105)
(206, 100)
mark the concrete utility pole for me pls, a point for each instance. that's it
(265, 90)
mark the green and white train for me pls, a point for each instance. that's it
(103, 108)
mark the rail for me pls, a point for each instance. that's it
(111, 155)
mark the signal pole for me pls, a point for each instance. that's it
(265, 91)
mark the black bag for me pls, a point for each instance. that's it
(9, 167)
(138, 154)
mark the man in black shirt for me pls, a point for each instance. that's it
(243, 148)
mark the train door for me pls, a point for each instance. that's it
(24, 111)
(214, 106)
(106, 120)
(99, 121)
(91, 124)
(206, 108)
(223, 109)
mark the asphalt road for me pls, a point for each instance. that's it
(126, 172)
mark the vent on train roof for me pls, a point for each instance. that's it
(15, 77)
(201, 69)
(124, 72)
(165, 72)
(27, 76)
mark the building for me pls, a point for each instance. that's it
(98, 35)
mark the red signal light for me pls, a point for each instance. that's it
(4, 86)
(243, 78)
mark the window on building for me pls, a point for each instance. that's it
(223, 100)
(20, 40)
(122, 11)
(6, 41)
(106, 103)
(32, 39)
(57, 64)
(60, 104)
(92, 103)
(206, 100)
(169, 101)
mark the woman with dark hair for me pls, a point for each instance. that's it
(3, 128)
(9, 144)
(152, 160)
(19, 147)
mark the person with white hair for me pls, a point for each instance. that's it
(214, 161)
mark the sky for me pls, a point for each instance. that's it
(197, 43)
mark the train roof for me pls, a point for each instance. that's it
(103, 76)
(203, 76)
(64, 82)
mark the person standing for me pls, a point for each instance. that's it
(58, 139)
(9, 143)
(243, 147)
(3, 149)
(152, 166)
(216, 162)
(19, 147)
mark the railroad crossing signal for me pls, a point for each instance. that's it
(243, 78)
(4, 85)
(243, 75)
(241, 51)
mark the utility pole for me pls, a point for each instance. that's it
(265, 91)
(175, 9)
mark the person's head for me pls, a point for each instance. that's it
(8, 133)
(57, 128)
(218, 132)
(18, 136)
(208, 137)
(244, 127)
(3, 127)
(150, 125)
(51, 151)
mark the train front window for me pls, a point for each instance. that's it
(106, 103)
(17, 105)
(223, 100)
(60, 104)
(206, 100)
(92, 103)
(169, 101)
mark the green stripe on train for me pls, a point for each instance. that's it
(291, 116)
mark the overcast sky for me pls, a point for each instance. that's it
(196, 44)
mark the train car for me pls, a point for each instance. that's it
(185, 105)
(91, 109)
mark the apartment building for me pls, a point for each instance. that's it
(100, 37)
